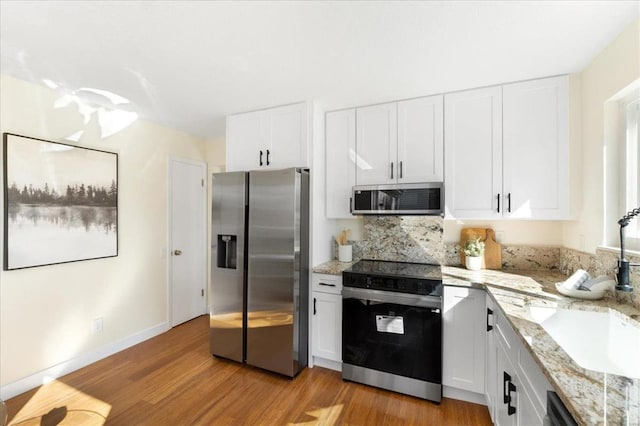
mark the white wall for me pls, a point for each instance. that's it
(615, 68)
(46, 313)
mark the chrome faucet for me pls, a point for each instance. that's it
(623, 263)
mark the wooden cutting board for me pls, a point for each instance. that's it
(492, 250)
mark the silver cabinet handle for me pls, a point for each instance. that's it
(392, 170)
(177, 252)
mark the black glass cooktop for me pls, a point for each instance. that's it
(416, 278)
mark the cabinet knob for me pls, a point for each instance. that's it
(177, 252)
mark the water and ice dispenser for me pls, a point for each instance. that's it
(227, 251)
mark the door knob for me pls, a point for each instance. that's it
(177, 252)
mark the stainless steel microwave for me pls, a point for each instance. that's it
(401, 199)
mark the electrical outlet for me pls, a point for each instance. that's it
(499, 236)
(97, 326)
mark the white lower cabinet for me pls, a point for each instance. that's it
(463, 345)
(515, 386)
(491, 363)
(326, 320)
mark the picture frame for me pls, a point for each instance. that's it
(60, 202)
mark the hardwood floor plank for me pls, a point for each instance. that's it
(173, 380)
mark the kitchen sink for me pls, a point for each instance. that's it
(602, 341)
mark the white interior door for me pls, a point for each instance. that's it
(187, 240)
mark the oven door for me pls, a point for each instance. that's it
(395, 333)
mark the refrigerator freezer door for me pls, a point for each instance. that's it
(274, 271)
(228, 278)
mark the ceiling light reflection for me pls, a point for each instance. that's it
(90, 102)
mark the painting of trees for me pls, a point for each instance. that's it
(75, 195)
(62, 203)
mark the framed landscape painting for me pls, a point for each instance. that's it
(60, 203)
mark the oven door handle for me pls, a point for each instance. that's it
(392, 297)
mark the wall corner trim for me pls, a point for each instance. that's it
(82, 360)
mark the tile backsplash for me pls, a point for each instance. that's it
(515, 257)
(420, 239)
(401, 238)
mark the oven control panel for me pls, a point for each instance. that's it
(395, 284)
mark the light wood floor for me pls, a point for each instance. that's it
(173, 380)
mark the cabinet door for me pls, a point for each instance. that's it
(376, 145)
(473, 153)
(491, 372)
(327, 326)
(502, 415)
(526, 412)
(464, 329)
(288, 139)
(420, 140)
(535, 148)
(340, 134)
(245, 138)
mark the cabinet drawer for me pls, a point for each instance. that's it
(327, 283)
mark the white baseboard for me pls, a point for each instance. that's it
(327, 363)
(82, 360)
(463, 395)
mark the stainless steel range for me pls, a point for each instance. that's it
(392, 327)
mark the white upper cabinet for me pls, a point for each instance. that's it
(288, 136)
(340, 163)
(506, 151)
(420, 140)
(535, 148)
(272, 138)
(400, 142)
(246, 137)
(376, 144)
(473, 153)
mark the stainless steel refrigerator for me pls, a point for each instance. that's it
(259, 287)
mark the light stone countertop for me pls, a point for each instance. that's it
(333, 267)
(592, 397)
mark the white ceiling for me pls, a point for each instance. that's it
(187, 64)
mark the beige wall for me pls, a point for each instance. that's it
(215, 154)
(46, 313)
(615, 68)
